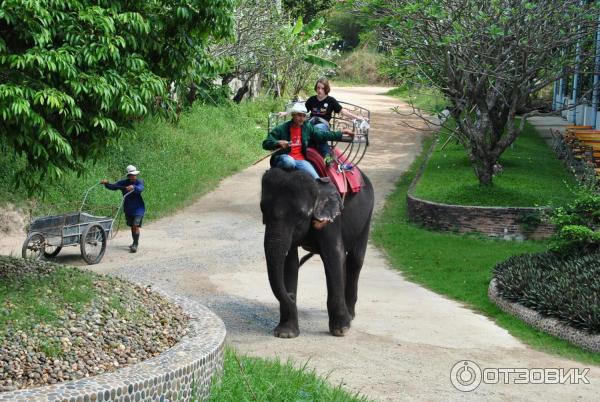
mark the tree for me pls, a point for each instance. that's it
(76, 74)
(267, 44)
(485, 57)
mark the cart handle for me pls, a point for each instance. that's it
(85, 197)
(117, 213)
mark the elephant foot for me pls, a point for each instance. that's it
(339, 331)
(286, 330)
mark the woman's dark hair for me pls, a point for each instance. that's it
(325, 83)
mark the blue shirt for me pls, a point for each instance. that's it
(133, 204)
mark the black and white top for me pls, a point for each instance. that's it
(323, 109)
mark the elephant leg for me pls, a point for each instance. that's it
(290, 275)
(339, 317)
(354, 263)
(288, 324)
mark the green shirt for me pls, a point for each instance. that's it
(309, 133)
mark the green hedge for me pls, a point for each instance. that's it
(563, 287)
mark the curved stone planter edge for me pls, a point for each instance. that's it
(183, 371)
(501, 221)
(546, 324)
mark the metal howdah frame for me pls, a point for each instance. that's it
(352, 149)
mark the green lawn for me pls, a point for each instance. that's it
(458, 266)
(178, 162)
(251, 379)
(531, 176)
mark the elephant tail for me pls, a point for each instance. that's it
(305, 258)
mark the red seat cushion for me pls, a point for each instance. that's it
(353, 182)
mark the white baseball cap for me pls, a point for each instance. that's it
(298, 107)
(132, 170)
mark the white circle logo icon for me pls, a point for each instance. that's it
(465, 375)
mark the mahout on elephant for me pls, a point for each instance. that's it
(293, 205)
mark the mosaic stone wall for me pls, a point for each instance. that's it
(501, 222)
(549, 325)
(182, 373)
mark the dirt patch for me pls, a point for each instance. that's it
(13, 219)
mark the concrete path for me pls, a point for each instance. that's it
(404, 340)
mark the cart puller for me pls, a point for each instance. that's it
(134, 207)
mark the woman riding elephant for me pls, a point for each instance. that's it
(293, 205)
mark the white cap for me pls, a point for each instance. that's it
(298, 107)
(132, 170)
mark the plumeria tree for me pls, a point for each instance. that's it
(486, 57)
(283, 52)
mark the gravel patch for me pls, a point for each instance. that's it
(102, 337)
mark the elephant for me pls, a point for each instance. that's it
(293, 206)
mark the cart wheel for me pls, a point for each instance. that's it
(93, 244)
(34, 246)
(51, 251)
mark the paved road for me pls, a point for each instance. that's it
(404, 340)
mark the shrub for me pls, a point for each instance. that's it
(360, 66)
(578, 225)
(563, 287)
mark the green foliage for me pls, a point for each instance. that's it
(361, 66)
(565, 288)
(531, 176)
(578, 225)
(458, 266)
(251, 379)
(306, 9)
(296, 50)
(77, 74)
(343, 24)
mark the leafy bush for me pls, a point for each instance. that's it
(563, 287)
(578, 225)
(76, 75)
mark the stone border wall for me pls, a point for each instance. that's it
(549, 325)
(504, 222)
(183, 372)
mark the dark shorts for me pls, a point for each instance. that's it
(134, 220)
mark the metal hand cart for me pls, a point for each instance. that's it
(49, 234)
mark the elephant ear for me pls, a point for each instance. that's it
(328, 204)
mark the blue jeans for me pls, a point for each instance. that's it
(287, 162)
(322, 146)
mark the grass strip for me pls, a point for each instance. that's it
(458, 266)
(251, 379)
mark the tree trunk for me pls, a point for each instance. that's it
(240, 93)
(484, 169)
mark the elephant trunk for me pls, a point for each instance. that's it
(276, 244)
